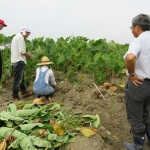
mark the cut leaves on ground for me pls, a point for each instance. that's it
(34, 130)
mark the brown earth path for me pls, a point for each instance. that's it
(85, 98)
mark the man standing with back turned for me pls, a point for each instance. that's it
(137, 90)
(18, 60)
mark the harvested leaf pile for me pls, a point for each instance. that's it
(25, 126)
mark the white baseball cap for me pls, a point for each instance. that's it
(24, 29)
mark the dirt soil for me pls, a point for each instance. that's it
(86, 98)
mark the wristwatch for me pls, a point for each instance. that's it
(132, 74)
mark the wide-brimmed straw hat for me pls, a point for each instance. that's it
(45, 61)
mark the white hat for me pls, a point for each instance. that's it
(24, 29)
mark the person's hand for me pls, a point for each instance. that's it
(2, 48)
(8, 45)
(56, 88)
(33, 76)
(135, 79)
(30, 55)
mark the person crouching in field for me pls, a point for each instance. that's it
(44, 83)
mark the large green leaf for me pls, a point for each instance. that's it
(30, 126)
(1, 38)
(16, 144)
(95, 120)
(11, 107)
(25, 112)
(65, 138)
(27, 144)
(7, 40)
(55, 140)
(9, 116)
(106, 57)
(9, 123)
(45, 116)
(7, 73)
(71, 139)
(61, 59)
(54, 137)
(5, 132)
(96, 57)
(28, 106)
(40, 142)
(55, 107)
(39, 50)
(68, 55)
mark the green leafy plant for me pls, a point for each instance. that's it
(98, 58)
(40, 127)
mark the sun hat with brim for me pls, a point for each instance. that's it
(2, 22)
(45, 61)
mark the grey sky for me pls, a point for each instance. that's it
(94, 19)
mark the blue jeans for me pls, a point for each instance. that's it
(18, 82)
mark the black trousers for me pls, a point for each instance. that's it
(138, 107)
(0, 66)
(18, 82)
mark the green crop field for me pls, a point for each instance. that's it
(71, 55)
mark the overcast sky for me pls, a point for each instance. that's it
(94, 19)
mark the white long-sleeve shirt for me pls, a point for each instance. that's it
(49, 77)
(18, 48)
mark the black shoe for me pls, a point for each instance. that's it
(49, 95)
(39, 96)
(148, 136)
(139, 143)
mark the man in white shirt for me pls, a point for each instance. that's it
(137, 89)
(18, 60)
(44, 84)
(2, 24)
